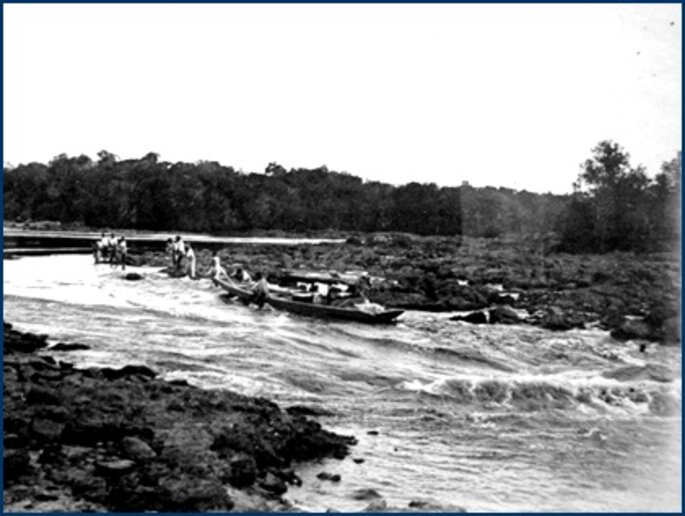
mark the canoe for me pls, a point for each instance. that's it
(333, 312)
(233, 289)
(313, 309)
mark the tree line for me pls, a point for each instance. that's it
(614, 205)
(148, 193)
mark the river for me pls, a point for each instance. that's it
(488, 418)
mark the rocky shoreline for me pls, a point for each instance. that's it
(102, 439)
(499, 281)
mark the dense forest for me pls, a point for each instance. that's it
(614, 205)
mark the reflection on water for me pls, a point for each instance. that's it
(496, 418)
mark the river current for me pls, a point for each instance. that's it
(488, 418)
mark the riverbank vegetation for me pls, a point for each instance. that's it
(615, 206)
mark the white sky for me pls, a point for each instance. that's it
(501, 95)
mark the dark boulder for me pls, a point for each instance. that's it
(365, 494)
(273, 484)
(22, 342)
(63, 346)
(504, 315)
(137, 449)
(16, 461)
(633, 329)
(242, 470)
(328, 476)
(302, 410)
(556, 319)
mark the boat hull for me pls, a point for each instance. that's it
(333, 312)
(315, 310)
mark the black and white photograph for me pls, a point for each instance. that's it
(342, 257)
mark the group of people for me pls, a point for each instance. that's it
(178, 251)
(183, 259)
(111, 249)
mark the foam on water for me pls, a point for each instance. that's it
(499, 418)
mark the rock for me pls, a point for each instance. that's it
(16, 461)
(39, 395)
(426, 506)
(302, 410)
(192, 494)
(376, 506)
(365, 494)
(372, 432)
(328, 476)
(273, 484)
(504, 315)
(11, 440)
(554, 318)
(47, 430)
(242, 470)
(63, 346)
(114, 467)
(670, 330)
(133, 276)
(359, 461)
(632, 329)
(136, 449)
(505, 299)
(129, 370)
(473, 318)
(43, 495)
(22, 342)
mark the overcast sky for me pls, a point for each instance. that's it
(501, 95)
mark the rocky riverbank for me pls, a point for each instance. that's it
(502, 281)
(124, 440)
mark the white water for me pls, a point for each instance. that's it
(493, 418)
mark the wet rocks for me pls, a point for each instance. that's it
(632, 329)
(137, 449)
(63, 346)
(107, 438)
(273, 484)
(365, 494)
(554, 318)
(302, 410)
(504, 315)
(15, 341)
(242, 470)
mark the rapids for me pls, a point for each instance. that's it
(488, 418)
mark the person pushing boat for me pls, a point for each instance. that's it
(260, 290)
(121, 252)
(178, 251)
(190, 256)
(216, 271)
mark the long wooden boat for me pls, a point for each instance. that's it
(233, 289)
(314, 309)
(334, 312)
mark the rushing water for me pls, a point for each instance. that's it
(489, 418)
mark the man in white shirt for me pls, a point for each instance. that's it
(190, 255)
